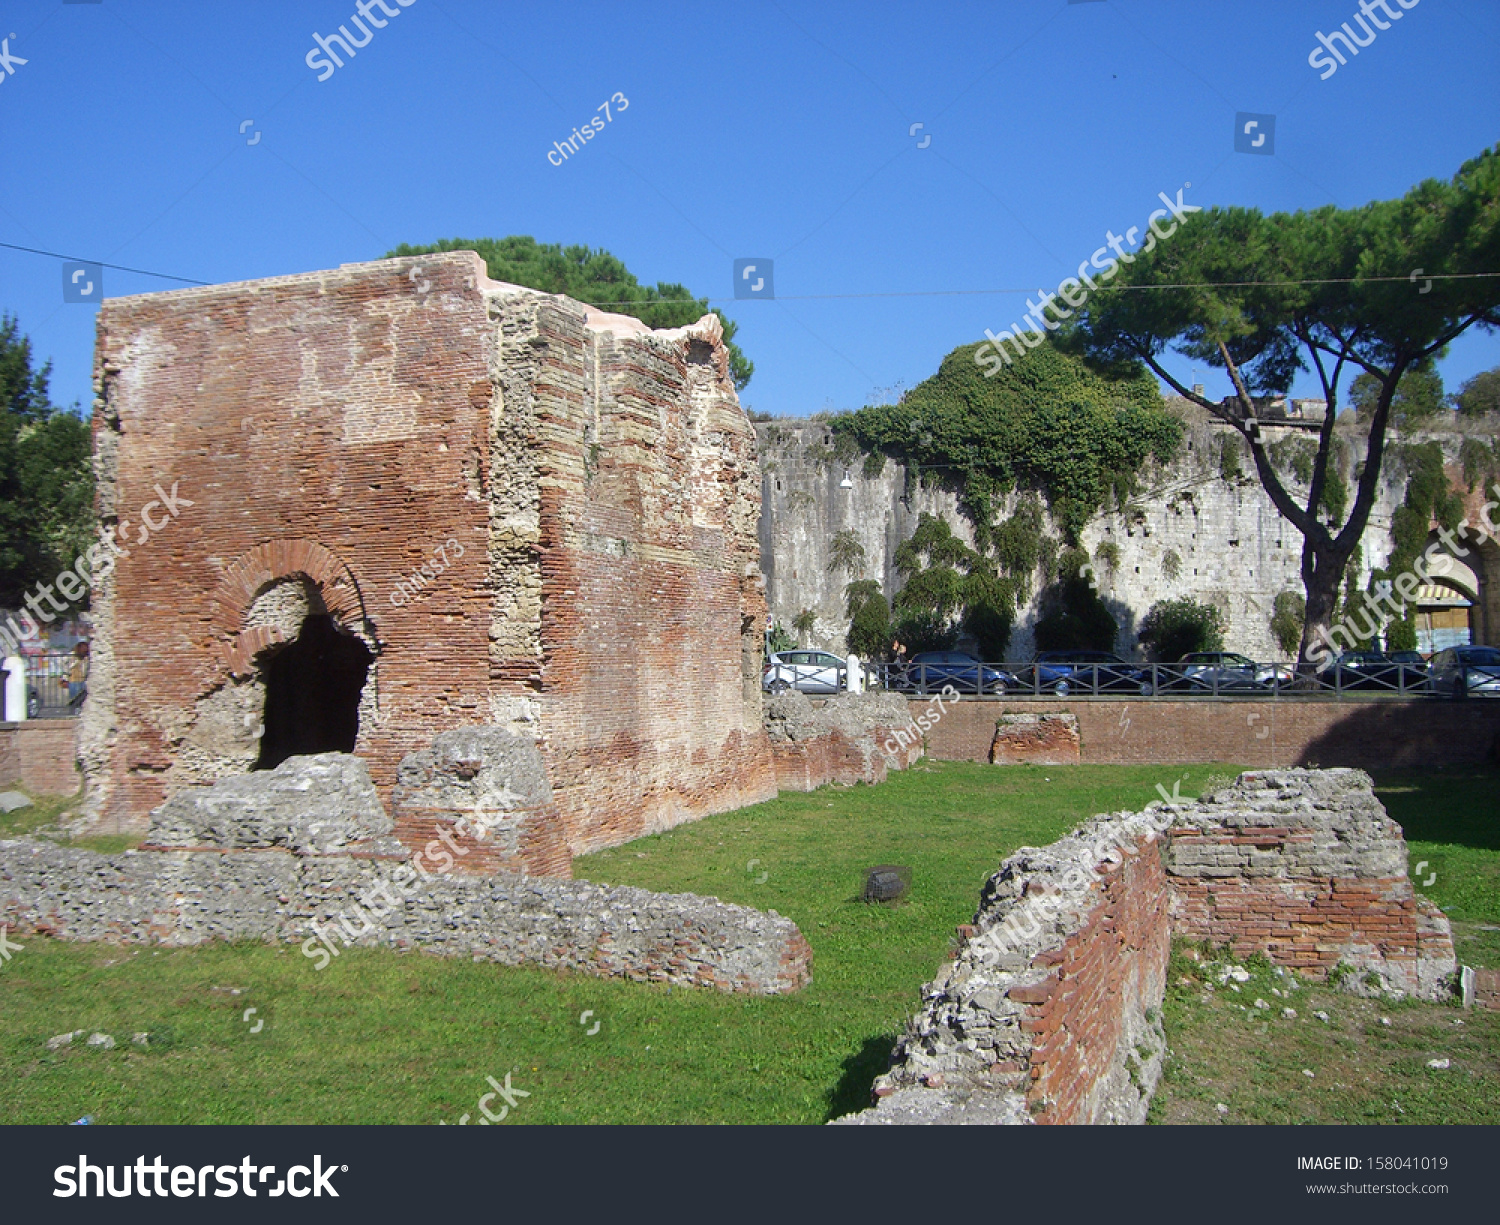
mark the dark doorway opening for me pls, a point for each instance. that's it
(312, 693)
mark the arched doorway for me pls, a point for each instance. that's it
(313, 686)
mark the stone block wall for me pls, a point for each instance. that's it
(305, 854)
(1049, 1011)
(532, 515)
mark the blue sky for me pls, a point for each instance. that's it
(753, 129)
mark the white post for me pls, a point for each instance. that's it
(854, 675)
(15, 689)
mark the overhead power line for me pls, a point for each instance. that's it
(79, 259)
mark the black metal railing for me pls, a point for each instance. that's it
(1257, 680)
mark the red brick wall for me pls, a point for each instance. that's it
(1113, 967)
(1309, 925)
(41, 755)
(1369, 734)
(601, 483)
(650, 582)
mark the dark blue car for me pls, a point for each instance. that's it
(1065, 672)
(931, 671)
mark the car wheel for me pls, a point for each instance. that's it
(1061, 689)
(1147, 689)
(998, 689)
(779, 686)
(33, 706)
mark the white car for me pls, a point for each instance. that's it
(808, 671)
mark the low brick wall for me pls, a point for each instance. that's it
(306, 853)
(1050, 1009)
(41, 755)
(1367, 734)
(1042, 740)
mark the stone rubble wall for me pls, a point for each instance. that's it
(1049, 1012)
(846, 739)
(314, 863)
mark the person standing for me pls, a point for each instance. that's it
(78, 674)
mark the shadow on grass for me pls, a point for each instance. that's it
(1459, 805)
(852, 1093)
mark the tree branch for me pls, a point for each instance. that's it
(1300, 519)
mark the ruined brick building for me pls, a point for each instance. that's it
(422, 500)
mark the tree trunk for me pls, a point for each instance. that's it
(1322, 571)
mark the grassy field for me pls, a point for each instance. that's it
(382, 1037)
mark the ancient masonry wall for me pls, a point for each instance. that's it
(851, 738)
(305, 854)
(1192, 531)
(1049, 1011)
(581, 491)
(41, 755)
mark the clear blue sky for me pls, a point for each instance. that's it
(753, 129)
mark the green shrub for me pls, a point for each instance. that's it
(1288, 613)
(1174, 628)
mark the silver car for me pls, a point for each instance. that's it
(807, 671)
(1461, 671)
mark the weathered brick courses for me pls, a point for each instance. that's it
(592, 486)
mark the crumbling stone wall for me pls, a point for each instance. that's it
(534, 515)
(1041, 739)
(1049, 1011)
(305, 853)
(846, 739)
(1306, 867)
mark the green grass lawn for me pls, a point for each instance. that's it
(382, 1037)
(1369, 1059)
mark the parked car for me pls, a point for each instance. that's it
(931, 671)
(1222, 670)
(1379, 670)
(1064, 672)
(807, 671)
(1462, 671)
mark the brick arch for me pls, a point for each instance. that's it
(250, 573)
